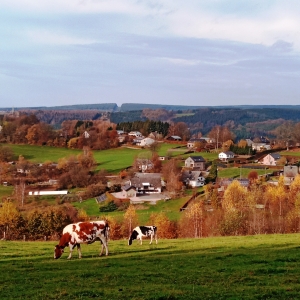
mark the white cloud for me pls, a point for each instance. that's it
(72, 6)
(235, 20)
(52, 38)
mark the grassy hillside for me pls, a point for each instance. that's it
(252, 267)
(40, 154)
(171, 208)
(113, 160)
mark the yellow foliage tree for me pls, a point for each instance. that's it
(234, 197)
(130, 220)
(195, 215)
(82, 215)
(114, 227)
(165, 227)
(295, 185)
(8, 216)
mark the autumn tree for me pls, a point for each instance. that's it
(285, 133)
(277, 200)
(40, 134)
(165, 228)
(226, 145)
(6, 153)
(115, 227)
(252, 176)
(157, 165)
(194, 219)
(242, 143)
(8, 217)
(220, 134)
(86, 159)
(181, 129)
(234, 197)
(171, 172)
(130, 221)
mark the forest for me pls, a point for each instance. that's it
(244, 122)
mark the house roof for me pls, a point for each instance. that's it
(174, 137)
(275, 155)
(197, 158)
(191, 175)
(194, 140)
(101, 198)
(127, 187)
(228, 153)
(139, 179)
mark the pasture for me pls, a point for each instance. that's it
(112, 160)
(170, 208)
(251, 267)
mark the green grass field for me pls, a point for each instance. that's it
(6, 191)
(112, 160)
(251, 267)
(171, 208)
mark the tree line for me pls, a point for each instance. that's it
(260, 209)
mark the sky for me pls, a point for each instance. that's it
(191, 52)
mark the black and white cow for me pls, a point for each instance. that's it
(146, 231)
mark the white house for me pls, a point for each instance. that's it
(135, 134)
(224, 156)
(146, 142)
(146, 183)
(261, 146)
(195, 162)
(270, 159)
(193, 178)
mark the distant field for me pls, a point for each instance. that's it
(113, 160)
(290, 153)
(40, 154)
(251, 267)
(242, 172)
(171, 208)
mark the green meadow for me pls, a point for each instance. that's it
(112, 160)
(170, 208)
(251, 267)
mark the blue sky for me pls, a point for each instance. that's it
(192, 52)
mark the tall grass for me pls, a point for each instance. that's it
(252, 267)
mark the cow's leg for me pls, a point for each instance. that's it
(151, 237)
(102, 248)
(156, 238)
(103, 245)
(79, 251)
(71, 247)
(141, 241)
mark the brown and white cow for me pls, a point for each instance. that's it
(82, 232)
(140, 231)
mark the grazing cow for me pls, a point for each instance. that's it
(82, 232)
(140, 231)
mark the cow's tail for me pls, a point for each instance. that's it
(106, 230)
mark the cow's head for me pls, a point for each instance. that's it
(132, 237)
(58, 251)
